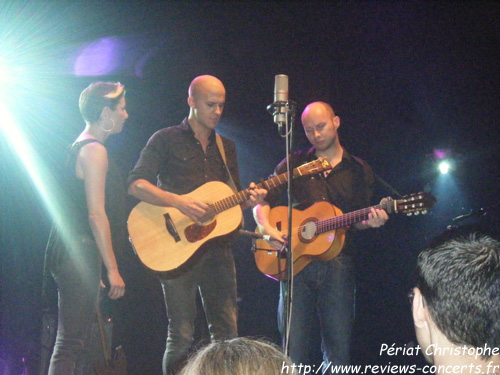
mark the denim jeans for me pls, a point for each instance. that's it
(77, 272)
(324, 291)
(214, 275)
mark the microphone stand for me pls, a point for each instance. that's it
(286, 284)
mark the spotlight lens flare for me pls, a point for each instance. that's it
(444, 167)
(8, 76)
(4, 74)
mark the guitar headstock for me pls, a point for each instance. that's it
(314, 167)
(414, 204)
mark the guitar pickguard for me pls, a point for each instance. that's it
(195, 232)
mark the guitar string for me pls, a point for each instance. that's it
(243, 195)
(338, 222)
(344, 220)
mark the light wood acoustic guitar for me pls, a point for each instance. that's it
(318, 232)
(165, 239)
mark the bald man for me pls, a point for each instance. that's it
(176, 161)
(324, 288)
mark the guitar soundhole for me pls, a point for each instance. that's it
(195, 232)
(308, 231)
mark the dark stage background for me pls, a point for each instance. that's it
(406, 79)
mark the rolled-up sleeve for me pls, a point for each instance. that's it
(149, 163)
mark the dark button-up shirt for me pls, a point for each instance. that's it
(174, 160)
(349, 186)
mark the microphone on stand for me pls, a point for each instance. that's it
(278, 107)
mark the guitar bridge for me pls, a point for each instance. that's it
(171, 228)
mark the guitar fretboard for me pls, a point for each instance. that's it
(414, 203)
(240, 197)
(346, 220)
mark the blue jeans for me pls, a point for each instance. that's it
(214, 275)
(77, 272)
(324, 291)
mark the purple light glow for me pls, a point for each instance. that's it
(440, 154)
(139, 69)
(99, 58)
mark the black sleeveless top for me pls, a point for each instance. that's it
(76, 204)
(79, 245)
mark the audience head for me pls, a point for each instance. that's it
(457, 295)
(239, 356)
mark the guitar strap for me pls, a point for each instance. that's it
(220, 145)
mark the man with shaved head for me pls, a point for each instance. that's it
(176, 161)
(325, 289)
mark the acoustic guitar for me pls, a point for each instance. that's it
(165, 239)
(318, 233)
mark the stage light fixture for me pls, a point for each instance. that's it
(444, 167)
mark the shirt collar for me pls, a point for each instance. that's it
(187, 128)
(311, 155)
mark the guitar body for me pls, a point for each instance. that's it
(307, 244)
(318, 233)
(166, 251)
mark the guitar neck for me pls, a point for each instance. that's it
(351, 218)
(242, 196)
(409, 204)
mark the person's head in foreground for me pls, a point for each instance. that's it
(239, 356)
(456, 303)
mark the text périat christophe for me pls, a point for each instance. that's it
(434, 349)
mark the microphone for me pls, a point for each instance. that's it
(280, 98)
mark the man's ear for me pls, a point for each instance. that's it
(419, 311)
(336, 122)
(190, 101)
